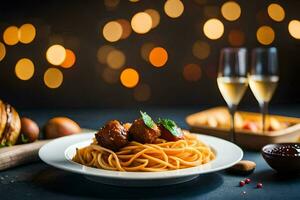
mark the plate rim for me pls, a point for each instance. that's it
(68, 165)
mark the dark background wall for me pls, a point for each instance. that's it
(79, 24)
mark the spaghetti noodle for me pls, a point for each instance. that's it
(160, 156)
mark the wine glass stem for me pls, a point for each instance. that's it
(264, 112)
(232, 110)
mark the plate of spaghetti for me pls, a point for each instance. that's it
(141, 153)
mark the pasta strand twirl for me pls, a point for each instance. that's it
(161, 156)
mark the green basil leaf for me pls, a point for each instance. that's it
(171, 126)
(147, 120)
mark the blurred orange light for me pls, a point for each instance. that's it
(142, 92)
(112, 31)
(174, 8)
(201, 50)
(192, 72)
(103, 52)
(141, 22)
(126, 28)
(116, 59)
(213, 28)
(236, 38)
(2, 51)
(53, 78)
(69, 60)
(56, 54)
(158, 57)
(276, 12)
(155, 17)
(129, 77)
(294, 28)
(27, 33)
(231, 10)
(24, 69)
(265, 35)
(11, 35)
(146, 49)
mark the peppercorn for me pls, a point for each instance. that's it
(242, 183)
(247, 180)
(259, 185)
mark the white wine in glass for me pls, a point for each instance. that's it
(232, 79)
(263, 87)
(263, 77)
(232, 88)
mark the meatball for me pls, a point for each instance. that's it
(167, 135)
(141, 133)
(112, 136)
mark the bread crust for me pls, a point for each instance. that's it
(12, 128)
(3, 118)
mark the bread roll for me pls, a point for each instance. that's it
(10, 125)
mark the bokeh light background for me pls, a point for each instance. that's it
(115, 53)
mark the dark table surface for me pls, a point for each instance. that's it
(39, 181)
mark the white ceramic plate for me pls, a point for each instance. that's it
(59, 153)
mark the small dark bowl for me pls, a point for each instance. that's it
(283, 157)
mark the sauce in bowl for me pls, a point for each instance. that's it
(283, 157)
(288, 149)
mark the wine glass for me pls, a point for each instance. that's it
(232, 79)
(263, 77)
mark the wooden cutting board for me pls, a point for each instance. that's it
(24, 153)
(20, 154)
(244, 138)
